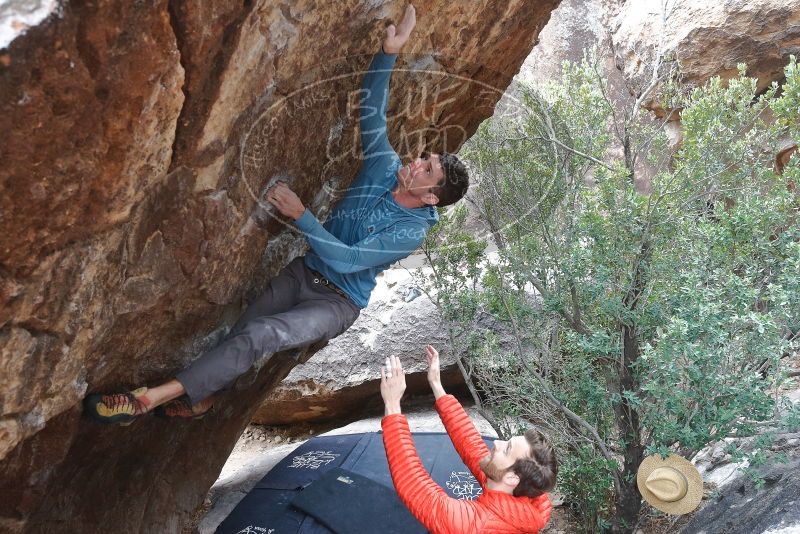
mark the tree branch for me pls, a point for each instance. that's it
(573, 150)
(572, 416)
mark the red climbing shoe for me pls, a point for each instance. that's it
(183, 408)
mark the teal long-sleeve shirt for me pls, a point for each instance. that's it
(368, 230)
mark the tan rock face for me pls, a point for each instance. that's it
(708, 38)
(137, 137)
(574, 26)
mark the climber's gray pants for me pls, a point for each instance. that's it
(294, 311)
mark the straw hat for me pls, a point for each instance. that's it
(673, 485)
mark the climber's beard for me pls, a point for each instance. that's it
(489, 468)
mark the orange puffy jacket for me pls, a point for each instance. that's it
(492, 512)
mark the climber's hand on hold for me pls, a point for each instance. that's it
(285, 200)
(396, 37)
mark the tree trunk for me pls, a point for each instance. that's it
(628, 502)
(628, 499)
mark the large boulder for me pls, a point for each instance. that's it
(137, 137)
(576, 26)
(742, 504)
(707, 38)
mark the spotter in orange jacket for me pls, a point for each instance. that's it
(492, 512)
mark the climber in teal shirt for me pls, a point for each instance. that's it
(388, 209)
(369, 229)
(383, 217)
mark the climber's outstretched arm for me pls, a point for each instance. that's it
(375, 88)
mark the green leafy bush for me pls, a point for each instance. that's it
(652, 294)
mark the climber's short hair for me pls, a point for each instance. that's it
(455, 182)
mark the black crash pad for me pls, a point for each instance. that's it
(267, 509)
(346, 502)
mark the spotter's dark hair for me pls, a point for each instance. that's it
(538, 471)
